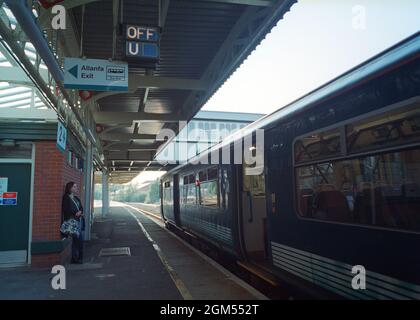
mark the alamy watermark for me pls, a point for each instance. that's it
(238, 148)
(359, 17)
(58, 282)
(358, 281)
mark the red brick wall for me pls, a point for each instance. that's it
(48, 190)
(71, 174)
(51, 175)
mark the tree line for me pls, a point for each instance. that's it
(130, 193)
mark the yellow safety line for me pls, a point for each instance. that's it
(186, 295)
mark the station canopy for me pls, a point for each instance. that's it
(202, 42)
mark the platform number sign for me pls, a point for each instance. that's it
(61, 137)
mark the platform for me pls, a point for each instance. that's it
(160, 266)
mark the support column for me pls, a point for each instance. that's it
(88, 183)
(105, 194)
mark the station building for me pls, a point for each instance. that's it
(53, 130)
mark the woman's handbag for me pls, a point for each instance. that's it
(70, 227)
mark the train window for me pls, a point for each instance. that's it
(167, 195)
(212, 174)
(209, 193)
(224, 188)
(318, 146)
(202, 175)
(380, 190)
(394, 128)
(253, 183)
(190, 194)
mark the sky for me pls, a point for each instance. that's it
(315, 42)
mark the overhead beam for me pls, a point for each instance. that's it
(18, 76)
(127, 148)
(259, 3)
(163, 12)
(135, 161)
(110, 117)
(70, 4)
(133, 156)
(128, 136)
(147, 82)
(136, 81)
(144, 100)
(29, 113)
(115, 11)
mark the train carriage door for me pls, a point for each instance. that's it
(254, 215)
(15, 207)
(175, 200)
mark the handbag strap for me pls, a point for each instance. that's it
(76, 203)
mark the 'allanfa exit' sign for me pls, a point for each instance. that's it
(142, 44)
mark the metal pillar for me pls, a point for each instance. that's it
(105, 194)
(88, 183)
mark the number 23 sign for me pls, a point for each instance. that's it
(61, 136)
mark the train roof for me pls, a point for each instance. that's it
(387, 60)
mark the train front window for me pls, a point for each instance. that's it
(380, 190)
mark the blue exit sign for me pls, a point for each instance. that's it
(142, 43)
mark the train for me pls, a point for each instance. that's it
(336, 206)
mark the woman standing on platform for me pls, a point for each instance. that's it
(72, 209)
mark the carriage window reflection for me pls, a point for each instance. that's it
(209, 188)
(318, 146)
(167, 193)
(384, 131)
(188, 190)
(381, 190)
(209, 194)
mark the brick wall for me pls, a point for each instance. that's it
(51, 175)
(71, 174)
(48, 190)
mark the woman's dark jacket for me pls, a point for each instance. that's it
(69, 208)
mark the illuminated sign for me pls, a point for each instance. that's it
(142, 43)
(137, 33)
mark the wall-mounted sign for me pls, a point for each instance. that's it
(9, 199)
(3, 184)
(95, 74)
(142, 43)
(61, 136)
(3, 187)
